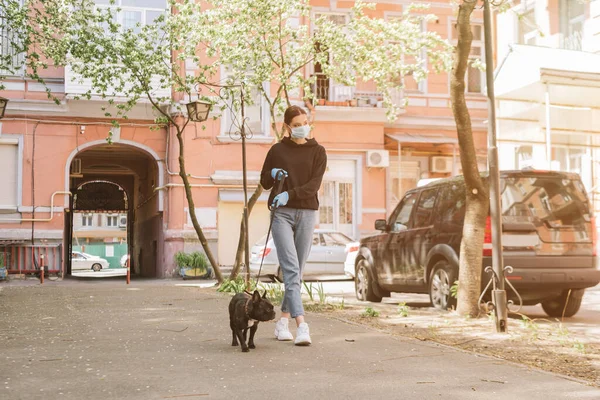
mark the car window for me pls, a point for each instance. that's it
(316, 240)
(451, 210)
(336, 239)
(404, 210)
(425, 208)
(76, 256)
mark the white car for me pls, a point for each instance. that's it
(330, 253)
(83, 261)
(124, 261)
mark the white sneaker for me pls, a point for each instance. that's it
(282, 330)
(302, 335)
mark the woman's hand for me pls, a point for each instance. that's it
(281, 199)
(275, 173)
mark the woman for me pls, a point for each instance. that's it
(303, 162)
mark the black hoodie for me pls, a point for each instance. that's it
(305, 165)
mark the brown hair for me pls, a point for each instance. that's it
(291, 113)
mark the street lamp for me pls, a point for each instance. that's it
(3, 103)
(499, 298)
(198, 110)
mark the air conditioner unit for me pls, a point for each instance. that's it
(76, 166)
(378, 158)
(441, 164)
(123, 222)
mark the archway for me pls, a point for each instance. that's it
(114, 185)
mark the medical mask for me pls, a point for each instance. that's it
(301, 132)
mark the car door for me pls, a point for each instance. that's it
(78, 261)
(398, 228)
(316, 264)
(335, 245)
(419, 236)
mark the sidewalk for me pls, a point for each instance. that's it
(154, 340)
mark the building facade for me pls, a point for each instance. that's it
(548, 88)
(54, 159)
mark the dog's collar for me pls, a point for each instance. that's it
(246, 307)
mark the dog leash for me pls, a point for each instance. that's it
(272, 208)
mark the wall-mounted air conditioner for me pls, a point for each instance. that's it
(441, 164)
(123, 222)
(378, 159)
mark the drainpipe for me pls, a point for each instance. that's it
(39, 219)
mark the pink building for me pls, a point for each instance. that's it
(49, 151)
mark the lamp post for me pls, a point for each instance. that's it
(499, 297)
(198, 112)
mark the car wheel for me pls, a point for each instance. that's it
(364, 284)
(565, 305)
(441, 280)
(96, 267)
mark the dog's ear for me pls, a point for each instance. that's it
(256, 296)
(264, 296)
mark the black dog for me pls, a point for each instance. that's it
(245, 312)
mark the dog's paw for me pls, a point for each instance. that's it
(252, 346)
(234, 344)
(245, 350)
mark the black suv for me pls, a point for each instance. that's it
(549, 238)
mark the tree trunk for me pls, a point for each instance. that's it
(192, 209)
(477, 203)
(241, 242)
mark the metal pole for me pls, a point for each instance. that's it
(246, 230)
(499, 293)
(548, 131)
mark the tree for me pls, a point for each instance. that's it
(477, 193)
(261, 41)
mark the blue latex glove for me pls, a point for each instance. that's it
(281, 199)
(274, 172)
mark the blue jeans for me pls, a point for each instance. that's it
(293, 236)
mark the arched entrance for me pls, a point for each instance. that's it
(113, 188)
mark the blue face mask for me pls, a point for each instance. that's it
(301, 132)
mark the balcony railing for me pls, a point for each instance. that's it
(327, 92)
(10, 55)
(572, 41)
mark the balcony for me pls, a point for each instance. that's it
(330, 93)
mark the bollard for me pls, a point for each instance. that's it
(128, 271)
(41, 269)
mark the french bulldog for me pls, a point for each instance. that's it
(245, 312)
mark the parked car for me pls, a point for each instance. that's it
(84, 261)
(329, 252)
(123, 261)
(549, 238)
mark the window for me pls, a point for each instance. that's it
(528, 30)
(9, 173)
(133, 14)
(410, 83)
(403, 216)
(11, 56)
(425, 208)
(316, 239)
(572, 20)
(324, 87)
(87, 219)
(112, 220)
(452, 209)
(475, 77)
